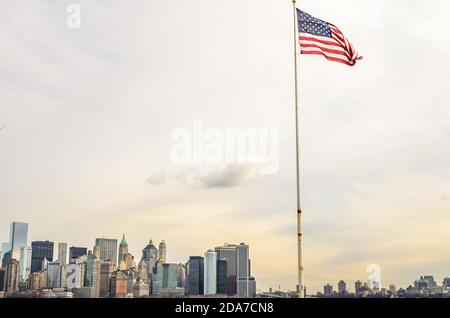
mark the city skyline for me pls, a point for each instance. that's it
(86, 132)
(110, 270)
(90, 248)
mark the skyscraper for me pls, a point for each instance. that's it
(18, 238)
(108, 249)
(25, 262)
(5, 248)
(93, 275)
(328, 290)
(166, 277)
(358, 286)
(195, 275)
(76, 252)
(62, 253)
(162, 251)
(342, 287)
(106, 270)
(221, 277)
(150, 256)
(36, 281)
(246, 284)
(12, 276)
(142, 271)
(40, 250)
(123, 249)
(54, 274)
(140, 289)
(2, 279)
(181, 275)
(210, 273)
(96, 252)
(228, 253)
(431, 281)
(6, 259)
(119, 284)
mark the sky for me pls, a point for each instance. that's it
(87, 115)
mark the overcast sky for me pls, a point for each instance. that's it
(88, 114)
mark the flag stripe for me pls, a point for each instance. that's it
(328, 57)
(321, 43)
(316, 39)
(326, 50)
(338, 56)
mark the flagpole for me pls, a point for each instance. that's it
(297, 148)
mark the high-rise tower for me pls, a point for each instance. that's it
(162, 251)
(108, 249)
(123, 249)
(210, 273)
(150, 256)
(18, 238)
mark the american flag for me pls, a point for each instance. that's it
(323, 38)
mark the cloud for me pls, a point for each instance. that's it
(230, 176)
(157, 178)
(223, 177)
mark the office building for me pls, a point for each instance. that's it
(93, 267)
(221, 277)
(195, 275)
(106, 270)
(328, 290)
(6, 259)
(123, 250)
(108, 249)
(12, 276)
(36, 281)
(5, 247)
(162, 251)
(96, 252)
(358, 285)
(181, 276)
(150, 255)
(54, 274)
(40, 250)
(62, 253)
(2, 279)
(119, 284)
(431, 282)
(25, 263)
(18, 238)
(228, 253)
(166, 277)
(76, 252)
(142, 271)
(342, 287)
(210, 273)
(247, 287)
(140, 289)
(246, 284)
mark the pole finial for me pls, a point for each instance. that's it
(294, 1)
